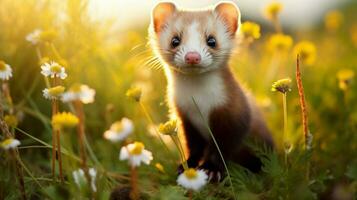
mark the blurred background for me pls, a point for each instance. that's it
(103, 43)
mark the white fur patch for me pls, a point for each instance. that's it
(208, 91)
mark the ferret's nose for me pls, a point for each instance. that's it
(192, 58)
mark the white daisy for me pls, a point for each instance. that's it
(34, 37)
(192, 179)
(5, 71)
(119, 130)
(79, 92)
(80, 179)
(10, 143)
(53, 69)
(53, 93)
(135, 154)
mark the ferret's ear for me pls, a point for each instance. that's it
(230, 14)
(160, 14)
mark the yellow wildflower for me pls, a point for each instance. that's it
(11, 120)
(345, 77)
(168, 128)
(5, 71)
(64, 119)
(160, 168)
(9, 143)
(53, 93)
(272, 10)
(282, 85)
(134, 93)
(333, 20)
(250, 30)
(192, 179)
(48, 35)
(307, 52)
(280, 42)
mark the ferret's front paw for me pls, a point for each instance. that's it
(215, 172)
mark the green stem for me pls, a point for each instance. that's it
(285, 129)
(53, 48)
(151, 121)
(181, 151)
(219, 151)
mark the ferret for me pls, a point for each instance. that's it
(194, 47)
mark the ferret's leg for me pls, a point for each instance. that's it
(196, 144)
(229, 134)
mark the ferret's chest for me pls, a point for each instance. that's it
(207, 91)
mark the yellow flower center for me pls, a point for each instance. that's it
(76, 88)
(11, 120)
(117, 127)
(56, 91)
(282, 85)
(7, 142)
(169, 128)
(64, 120)
(190, 173)
(2, 65)
(137, 149)
(56, 68)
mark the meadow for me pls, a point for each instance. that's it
(111, 75)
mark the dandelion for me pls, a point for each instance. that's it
(134, 93)
(79, 92)
(250, 30)
(282, 85)
(272, 10)
(345, 77)
(10, 143)
(53, 69)
(168, 128)
(119, 130)
(5, 71)
(80, 179)
(136, 154)
(64, 119)
(192, 179)
(11, 120)
(307, 52)
(34, 37)
(280, 42)
(333, 20)
(53, 93)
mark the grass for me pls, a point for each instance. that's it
(111, 62)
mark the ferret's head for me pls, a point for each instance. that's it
(194, 42)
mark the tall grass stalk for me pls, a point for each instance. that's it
(11, 134)
(81, 132)
(14, 153)
(219, 151)
(134, 193)
(151, 121)
(303, 111)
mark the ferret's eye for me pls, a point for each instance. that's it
(175, 42)
(211, 41)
